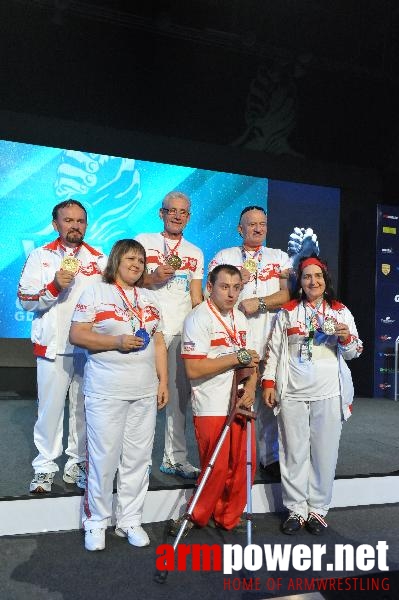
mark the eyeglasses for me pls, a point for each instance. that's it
(173, 212)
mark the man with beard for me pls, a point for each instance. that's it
(51, 283)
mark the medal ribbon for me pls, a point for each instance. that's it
(74, 252)
(256, 255)
(309, 322)
(171, 251)
(232, 333)
(134, 310)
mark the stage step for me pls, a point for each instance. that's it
(31, 514)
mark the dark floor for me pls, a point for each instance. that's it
(55, 566)
(369, 444)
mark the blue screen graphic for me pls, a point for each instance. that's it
(122, 197)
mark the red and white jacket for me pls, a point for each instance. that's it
(53, 309)
(290, 322)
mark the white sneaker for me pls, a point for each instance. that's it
(136, 535)
(41, 483)
(76, 474)
(95, 539)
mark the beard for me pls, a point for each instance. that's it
(74, 237)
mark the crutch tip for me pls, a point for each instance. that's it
(160, 576)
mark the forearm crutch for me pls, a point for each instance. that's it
(239, 376)
(249, 515)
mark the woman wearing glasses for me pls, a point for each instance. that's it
(120, 324)
(309, 385)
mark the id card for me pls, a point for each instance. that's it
(304, 353)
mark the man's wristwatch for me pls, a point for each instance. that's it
(244, 357)
(262, 308)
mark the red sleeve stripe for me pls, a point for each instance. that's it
(39, 350)
(33, 297)
(54, 291)
(293, 331)
(348, 341)
(197, 356)
(268, 383)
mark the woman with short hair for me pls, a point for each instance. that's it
(120, 325)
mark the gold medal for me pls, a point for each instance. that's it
(70, 264)
(174, 261)
(251, 265)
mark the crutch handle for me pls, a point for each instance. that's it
(240, 375)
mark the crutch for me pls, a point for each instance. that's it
(239, 376)
(249, 515)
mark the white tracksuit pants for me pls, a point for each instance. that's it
(120, 435)
(309, 434)
(54, 379)
(175, 413)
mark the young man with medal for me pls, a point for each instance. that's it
(215, 343)
(308, 383)
(175, 272)
(264, 273)
(52, 280)
(125, 381)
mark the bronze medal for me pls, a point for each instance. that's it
(250, 265)
(70, 264)
(174, 261)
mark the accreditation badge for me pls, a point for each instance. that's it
(305, 354)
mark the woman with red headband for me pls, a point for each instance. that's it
(309, 385)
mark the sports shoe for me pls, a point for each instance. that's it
(76, 474)
(95, 539)
(316, 524)
(41, 483)
(272, 470)
(186, 470)
(136, 536)
(293, 524)
(175, 526)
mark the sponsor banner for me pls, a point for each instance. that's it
(386, 300)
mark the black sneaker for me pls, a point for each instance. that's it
(316, 524)
(272, 471)
(293, 524)
(175, 526)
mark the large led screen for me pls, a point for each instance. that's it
(122, 197)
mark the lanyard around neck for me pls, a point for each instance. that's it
(232, 333)
(168, 250)
(133, 309)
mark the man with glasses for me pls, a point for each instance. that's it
(264, 273)
(175, 271)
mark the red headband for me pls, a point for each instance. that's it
(313, 261)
